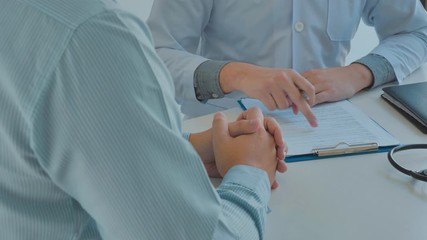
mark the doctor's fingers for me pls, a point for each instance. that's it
(268, 101)
(322, 97)
(280, 98)
(306, 88)
(322, 89)
(295, 90)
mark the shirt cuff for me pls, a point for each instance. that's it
(380, 67)
(251, 178)
(186, 135)
(206, 80)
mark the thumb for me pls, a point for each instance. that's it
(220, 131)
(242, 127)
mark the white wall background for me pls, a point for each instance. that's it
(362, 43)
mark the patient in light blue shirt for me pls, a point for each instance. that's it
(90, 136)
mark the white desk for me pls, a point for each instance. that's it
(357, 197)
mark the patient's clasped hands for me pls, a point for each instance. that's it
(252, 140)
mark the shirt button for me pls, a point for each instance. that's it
(299, 26)
(214, 95)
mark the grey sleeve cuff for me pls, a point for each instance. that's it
(380, 67)
(206, 80)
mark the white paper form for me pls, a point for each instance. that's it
(339, 122)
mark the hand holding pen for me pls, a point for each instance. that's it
(277, 88)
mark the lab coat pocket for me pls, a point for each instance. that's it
(343, 19)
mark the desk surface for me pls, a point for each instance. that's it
(353, 197)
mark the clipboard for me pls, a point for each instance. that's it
(339, 118)
(331, 152)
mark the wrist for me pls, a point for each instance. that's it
(380, 67)
(202, 143)
(230, 76)
(363, 76)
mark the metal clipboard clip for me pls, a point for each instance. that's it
(345, 148)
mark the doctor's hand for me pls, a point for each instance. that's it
(335, 84)
(276, 88)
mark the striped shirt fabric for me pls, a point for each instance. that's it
(90, 135)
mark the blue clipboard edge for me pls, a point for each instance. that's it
(242, 105)
(307, 157)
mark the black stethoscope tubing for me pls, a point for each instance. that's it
(420, 175)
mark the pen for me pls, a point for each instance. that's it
(305, 96)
